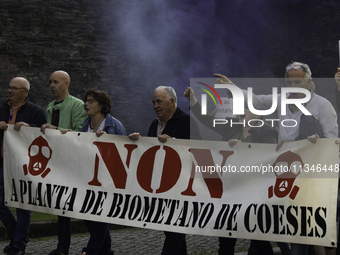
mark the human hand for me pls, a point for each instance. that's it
(47, 125)
(19, 124)
(338, 143)
(337, 78)
(163, 138)
(282, 142)
(223, 79)
(313, 138)
(134, 136)
(232, 142)
(64, 131)
(3, 125)
(190, 95)
(99, 133)
(213, 112)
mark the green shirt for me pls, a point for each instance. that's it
(71, 113)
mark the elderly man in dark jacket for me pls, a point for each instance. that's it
(19, 112)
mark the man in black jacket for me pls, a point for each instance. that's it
(19, 112)
(171, 122)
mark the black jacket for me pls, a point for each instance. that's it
(30, 113)
(178, 126)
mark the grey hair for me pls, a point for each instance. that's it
(23, 81)
(307, 71)
(27, 84)
(171, 92)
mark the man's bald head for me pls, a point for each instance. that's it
(22, 81)
(63, 75)
(59, 83)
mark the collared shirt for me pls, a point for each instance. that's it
(111, 126)
(13, 114)
(30, 113)
(100, 128)
(178, 126)
(160, 126)
(11, 120)
(71, 113)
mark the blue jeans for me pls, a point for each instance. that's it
(100, 239)
(19, 228)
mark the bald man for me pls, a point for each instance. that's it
(19, 112)
(65, 112)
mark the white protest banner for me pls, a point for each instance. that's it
(197, 187)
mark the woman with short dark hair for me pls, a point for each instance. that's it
(97, 105)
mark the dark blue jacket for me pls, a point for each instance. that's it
(112, 126)
(29, 113)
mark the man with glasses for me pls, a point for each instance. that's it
(65, 112)
(299, 75)
(17, 111)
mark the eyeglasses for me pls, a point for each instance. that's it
(14, 88)
(89, 100)
(296, 67)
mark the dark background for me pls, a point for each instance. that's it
(127, 48)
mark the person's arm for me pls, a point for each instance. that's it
(260, 102)
(116, 129)
(38, 116)
(3, 125)
(328, 120)
(337, 99)
(337, 89)
(134, 136)
(120, 129)
(337, 78)
(78, 116)
(208, 119)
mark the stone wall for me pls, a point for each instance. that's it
(38, 37)
(168, 45)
